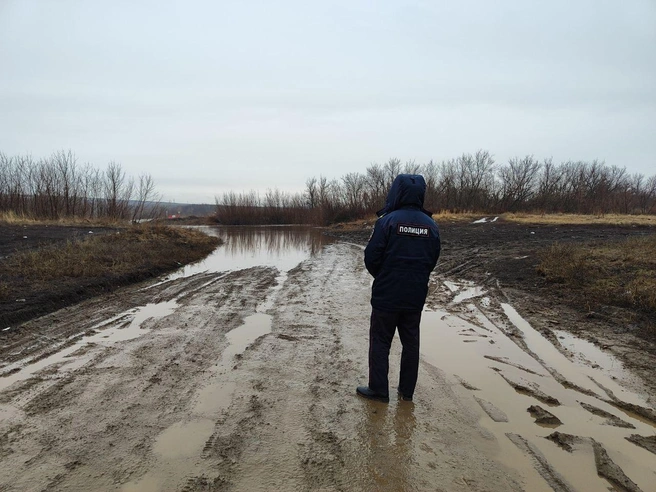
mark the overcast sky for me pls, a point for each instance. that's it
(211, 95)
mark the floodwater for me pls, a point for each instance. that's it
(465, 337)
(282, 247)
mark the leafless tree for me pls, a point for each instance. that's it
(518, 182)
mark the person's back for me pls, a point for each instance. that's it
(401, 253)
(404, 248)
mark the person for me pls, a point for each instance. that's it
(401, 253)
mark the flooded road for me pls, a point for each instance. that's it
(239, 373)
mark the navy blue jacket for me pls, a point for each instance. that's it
(403, 249)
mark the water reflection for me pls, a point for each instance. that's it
(282, 247)
(276, 241)
(387, 435)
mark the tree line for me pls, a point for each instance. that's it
(468, 183)
(57, 187)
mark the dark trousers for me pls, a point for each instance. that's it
(381, 333)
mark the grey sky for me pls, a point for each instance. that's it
(211, 95)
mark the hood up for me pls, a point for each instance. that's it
(406, 190)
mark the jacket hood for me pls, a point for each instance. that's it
(406, 190)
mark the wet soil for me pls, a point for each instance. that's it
(239, 373)
(27, 295)
(27, 301)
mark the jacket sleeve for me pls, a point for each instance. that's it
(437, 251)
(375, 250)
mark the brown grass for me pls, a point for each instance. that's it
(575, 219)
(130, 252)
(11, 218)
(613, 273)
(443, 217)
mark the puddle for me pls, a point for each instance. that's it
(581, 374)
(468, 293)
(475, 368)
(485, 220)
(452, 286)
(586, 353)
(240, 338)
(464, 291)
(134, 329)
(125, 326)
(179, 447)
(178, 440)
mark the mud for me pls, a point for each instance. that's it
(555, 480)
(610, 418)
(530, 389)
(565, 441)
(543, 417)
(649, 443)
(493, 412)
(239, 373)
(607, 468)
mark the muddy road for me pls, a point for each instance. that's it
(239, 374)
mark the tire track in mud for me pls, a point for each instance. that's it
(285, 415)
(311, 432)
(94, 427)
(489, 315)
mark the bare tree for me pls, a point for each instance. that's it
(354, 184)
(145, 193)
(518, 181)
(312, 192)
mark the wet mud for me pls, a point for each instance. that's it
(239, 374)
(543, 417)
(649, 443)
(610, 418)
(607, 468)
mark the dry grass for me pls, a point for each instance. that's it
(11, 218)
(440, 218)
(443, 217)
(130, 252)
(575, 219)
(612, 273)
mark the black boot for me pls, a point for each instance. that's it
(365, 392)
(404, 397)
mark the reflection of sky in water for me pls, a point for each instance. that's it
(282, 247)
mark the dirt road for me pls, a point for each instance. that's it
(240, 373)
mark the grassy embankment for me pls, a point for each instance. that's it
(11, 218)
(56, 275)
(133, 250)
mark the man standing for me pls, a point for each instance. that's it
(401, 254)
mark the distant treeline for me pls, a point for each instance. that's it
(469, 183)
(57, 187)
